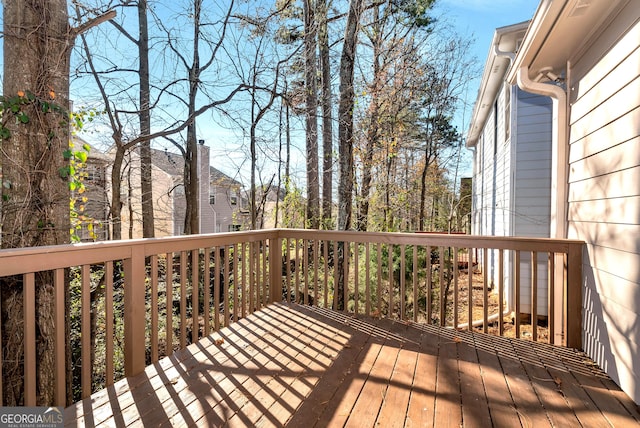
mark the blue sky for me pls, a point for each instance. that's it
(479, 19)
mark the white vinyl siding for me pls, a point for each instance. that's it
(604, 195)
(512, 186)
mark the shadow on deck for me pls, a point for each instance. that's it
(303, 366)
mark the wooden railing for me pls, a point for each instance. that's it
(119, 306)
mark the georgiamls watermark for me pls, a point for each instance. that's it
(31, 417)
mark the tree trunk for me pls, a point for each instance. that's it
(327, 117)
(145, 124)
(372, 132)
(345, 136)
(311, 116)
(35, 198)
(192, 176)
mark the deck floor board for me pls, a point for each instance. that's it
(301, 366)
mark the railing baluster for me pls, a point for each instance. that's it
(485, 292)
(551, 298)
(501, 292)
(299, 266)
(206, 291)
(30, 353)
(470, 290)
(154, 308)
(367, 279)
(455, 287)
(305, 256)
(403, 296)
(428, 284)
(226, 275)
(516, 292)
(316, 259)
(60, 334)
(336, 262)
(347, 256)
(195, 293)
(534, 295)
(265, 274)
(245, 294)
(109, 328)
(234, 262)
(390, 265)
(441, 279)
(356, 278)
(183, 299)
(169, 309)
(379, 286)
(217, 287)
(85, 281)
(415, 283)
(325, 251)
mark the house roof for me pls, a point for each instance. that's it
(173, 164)
(219, 176)
(503, 45)
(559, 33)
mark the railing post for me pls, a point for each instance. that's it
(275, 268)
(573, 315)
(134, 312)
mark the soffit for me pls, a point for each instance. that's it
(560, 31)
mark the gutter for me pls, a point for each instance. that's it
(560, 149)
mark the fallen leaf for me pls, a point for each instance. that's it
(219, 342)
(457, 339)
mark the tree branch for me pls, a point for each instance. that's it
(110, 14)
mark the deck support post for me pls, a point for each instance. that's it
(573, 293)
(275, 267)
(134, 312)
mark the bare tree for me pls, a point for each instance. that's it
(327, 114)
(311, 114)
(35, 192)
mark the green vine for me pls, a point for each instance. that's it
(74, 172)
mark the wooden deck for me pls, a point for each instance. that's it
(301, 366)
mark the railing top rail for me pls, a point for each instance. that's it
(436, 239)
(20, 260)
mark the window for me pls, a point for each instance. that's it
(212, 198)
(233, 199)
(234, 228)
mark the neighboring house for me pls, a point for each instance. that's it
(510, 135)
(96, 205)
(225, 203)
(585, 55)
(221, 208)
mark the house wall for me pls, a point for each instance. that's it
(512, 184)
(604, 194)
(532, 186)
(227, 204)
(131, 193)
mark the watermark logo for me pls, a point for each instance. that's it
(31, 417)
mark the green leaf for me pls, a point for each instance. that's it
(81, 156)
(4, 133)
(23, 118)
(45, 107)
(67, 154)
(64, 172)
(72, 185)
(86, 147)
